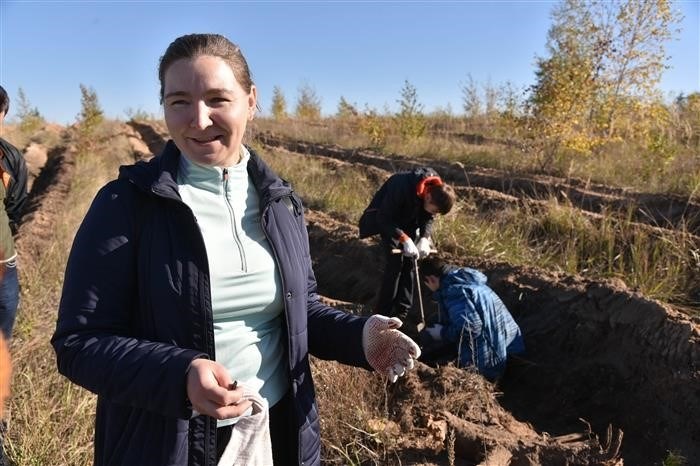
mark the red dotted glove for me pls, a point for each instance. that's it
(388, 351)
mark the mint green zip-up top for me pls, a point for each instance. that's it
(246, 289)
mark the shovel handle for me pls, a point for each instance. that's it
(421, 326)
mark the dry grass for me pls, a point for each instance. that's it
(48, 135)
(341, 189)
(458, 141)
(352, 404)
(50, 420)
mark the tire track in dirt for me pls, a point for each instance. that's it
(659, 210)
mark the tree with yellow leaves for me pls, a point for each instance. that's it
(603, 57)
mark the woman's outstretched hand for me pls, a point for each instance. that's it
(212, 392)
(389, 351)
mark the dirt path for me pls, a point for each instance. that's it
(46, 201)
(599, 355)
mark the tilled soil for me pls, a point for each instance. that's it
(601, 360)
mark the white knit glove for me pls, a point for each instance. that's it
(423, 247)
(409, 248)
(387, 350)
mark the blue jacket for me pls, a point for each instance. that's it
(475, 317)
(136, 310)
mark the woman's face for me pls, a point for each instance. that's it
(206, 110)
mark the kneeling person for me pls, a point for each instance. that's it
(474, 324)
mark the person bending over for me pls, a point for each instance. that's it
(473, 325)
(402, 213)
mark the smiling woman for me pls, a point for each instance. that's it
(189, 302)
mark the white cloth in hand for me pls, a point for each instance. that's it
(409, 248)
(435, 331)
(250, 438)
(423, 247)
(389, 351)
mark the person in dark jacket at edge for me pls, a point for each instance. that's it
(189, 286)
(402, 213)
(473, 324)
(13, 194)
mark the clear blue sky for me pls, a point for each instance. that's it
(360, 50)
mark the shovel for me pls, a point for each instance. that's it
(421, 324)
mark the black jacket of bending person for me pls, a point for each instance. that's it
(397, 207)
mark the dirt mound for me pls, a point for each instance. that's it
(35, 155)
(46, 200)
(458, 410)
(153, 134)
(138, 146)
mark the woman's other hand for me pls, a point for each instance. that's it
(212, 392)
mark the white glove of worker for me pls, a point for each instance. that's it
(423, 247)
(409, 249)
(435, 331)
(388, 350)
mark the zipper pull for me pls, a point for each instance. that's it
(224, 182)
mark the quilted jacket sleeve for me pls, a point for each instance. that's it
(95, 344)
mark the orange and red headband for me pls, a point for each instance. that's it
(426, 183)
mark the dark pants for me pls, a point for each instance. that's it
(9, 297)
(435, 352)
(284, 435)
(396, 293)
